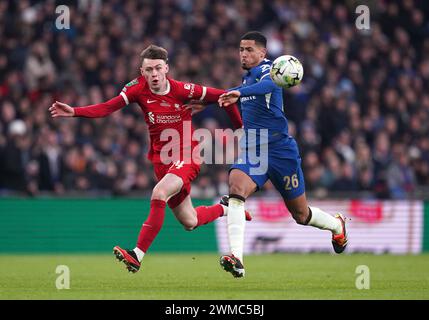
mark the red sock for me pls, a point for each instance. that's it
(152, 225)
(208, 214)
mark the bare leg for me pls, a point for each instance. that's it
(185, 213)
(312, 216)
(191, 217)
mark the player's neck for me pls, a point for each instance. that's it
(162, 91)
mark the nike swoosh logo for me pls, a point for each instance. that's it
(151, 101)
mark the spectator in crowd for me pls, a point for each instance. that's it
(39, 68)
(50, 164)
(400, 176)
(15, 157)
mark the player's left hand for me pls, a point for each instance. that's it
(229, 98)
(196, 106)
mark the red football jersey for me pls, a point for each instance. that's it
(163, 112)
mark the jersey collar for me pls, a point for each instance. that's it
(262, 62)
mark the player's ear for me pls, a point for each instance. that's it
(167, 68)
(264, 52)
(141, 71)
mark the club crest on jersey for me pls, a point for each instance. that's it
(177, 106)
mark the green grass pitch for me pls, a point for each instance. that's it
(199, 276)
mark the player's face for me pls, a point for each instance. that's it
(251, 54)
(155, 73)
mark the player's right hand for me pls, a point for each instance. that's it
(59, 109)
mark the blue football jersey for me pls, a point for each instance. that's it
(263, 110)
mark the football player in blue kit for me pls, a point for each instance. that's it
(266, 134)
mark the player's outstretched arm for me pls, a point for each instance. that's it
(211, 95)
(264, 86)
(59, 109)
(208, 95)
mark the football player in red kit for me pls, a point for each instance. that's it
(163, 101)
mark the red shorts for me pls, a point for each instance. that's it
(187, 172)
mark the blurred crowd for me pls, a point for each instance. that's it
(361, 114)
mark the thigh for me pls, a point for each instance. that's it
(170, 185)
(287, 176)
(253, 168)
(187, 173)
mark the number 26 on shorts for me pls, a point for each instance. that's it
(291, 182)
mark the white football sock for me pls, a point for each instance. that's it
(325, 221)
(139, 253)
(236, 220)
(225, 210)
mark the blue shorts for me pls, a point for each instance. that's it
(279, 162)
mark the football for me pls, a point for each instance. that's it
(286, 71)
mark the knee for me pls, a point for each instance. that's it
(241, 184)
(300, 215)
(189, 228)
(159, 193)
(237, 188)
